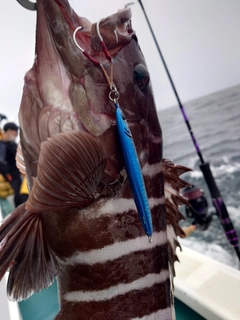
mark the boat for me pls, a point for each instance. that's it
(204, 289)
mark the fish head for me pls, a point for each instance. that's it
(66, 91)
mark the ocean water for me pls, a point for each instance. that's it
(215, 122)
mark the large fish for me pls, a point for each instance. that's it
(80, 222)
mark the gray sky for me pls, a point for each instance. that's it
(200, 41)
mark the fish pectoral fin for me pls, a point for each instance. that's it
(70, 167)
(26, 251)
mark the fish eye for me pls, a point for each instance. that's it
(141, 76)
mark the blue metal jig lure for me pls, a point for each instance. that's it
(134, 172)
(130, 156)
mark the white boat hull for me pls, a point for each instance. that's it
(207, 286)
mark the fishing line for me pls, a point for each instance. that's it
(217, 200)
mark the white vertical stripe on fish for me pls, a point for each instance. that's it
(123, 205)
(116, 250)
(145, 282)
(152, 169)
(160, 314)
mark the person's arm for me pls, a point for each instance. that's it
(3, 150)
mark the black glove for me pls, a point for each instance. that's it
(4, 169)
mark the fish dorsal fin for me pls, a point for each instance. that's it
(26, 251)
(70, 167)
(172, 185)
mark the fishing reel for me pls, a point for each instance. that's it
(198, 207)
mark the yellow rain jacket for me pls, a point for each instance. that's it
(5, 188)
(24, 188)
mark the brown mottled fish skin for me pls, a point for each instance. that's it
(80, 221)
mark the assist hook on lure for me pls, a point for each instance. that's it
(28, 4)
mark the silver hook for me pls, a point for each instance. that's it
(98, 30)
(74, 37)
(28, 4)
(99, 34)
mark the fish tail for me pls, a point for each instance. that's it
(24, 249)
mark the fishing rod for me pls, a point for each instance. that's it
(204, 166)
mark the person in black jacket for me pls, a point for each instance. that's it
(8, 168)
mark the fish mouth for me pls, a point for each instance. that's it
(88, 88)
(116, 31)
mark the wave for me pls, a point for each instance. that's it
(215, 122)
